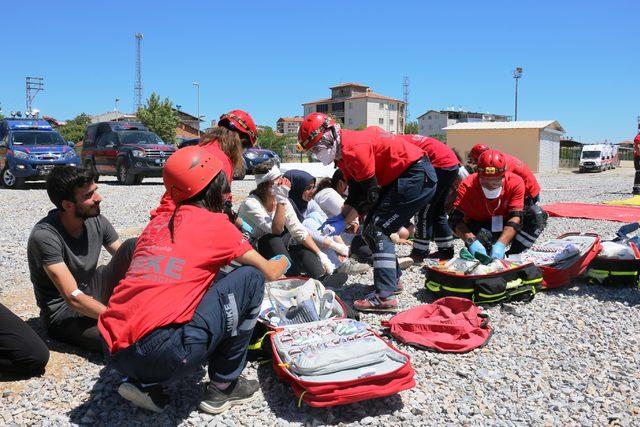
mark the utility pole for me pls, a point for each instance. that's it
(116, 109)
(137, 88)
(34, 85)
(197, 85)
(517, 74)
(405, 92)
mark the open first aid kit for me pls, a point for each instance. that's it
(494, 282)
(338, 361)
(618, 263)
(292, 301)
(562, 259)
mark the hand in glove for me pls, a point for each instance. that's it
(340, 248)
(326, 263)
(282, 193)
(333, 226)
(476, 246)
(497, 250)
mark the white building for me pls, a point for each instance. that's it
(288, 125)
(357, 107)
(433, 122)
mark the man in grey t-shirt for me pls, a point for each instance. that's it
(63, 252)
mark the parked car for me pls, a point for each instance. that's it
(29, 149)
(252, 157)
(127, 150)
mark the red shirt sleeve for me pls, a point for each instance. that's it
(516, 194)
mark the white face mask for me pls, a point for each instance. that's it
(492, 194)
(326, 155)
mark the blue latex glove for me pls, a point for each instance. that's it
(333, 226)
(476, 246)
(282, 256)
(246, 227)
(497, 250)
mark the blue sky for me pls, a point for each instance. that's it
(581, 59)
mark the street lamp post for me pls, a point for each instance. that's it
(197, 85)
(116, 109)
(517, 74)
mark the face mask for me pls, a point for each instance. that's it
(492, 194)
(326, 155)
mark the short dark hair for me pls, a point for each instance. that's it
(63, 180)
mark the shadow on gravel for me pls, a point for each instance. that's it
(105, 406)
(628, 294)
(284, 404)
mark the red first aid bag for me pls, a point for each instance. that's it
(338, 361)
(450, 324)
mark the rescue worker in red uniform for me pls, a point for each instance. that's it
(488, 211)
(389, 179)
(636, 163)
(432, 220)
(236, 131)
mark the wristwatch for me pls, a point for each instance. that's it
(469, 240)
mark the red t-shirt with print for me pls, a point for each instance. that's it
(374, 152)
(167, 280)
(439, 154)
(475, 206)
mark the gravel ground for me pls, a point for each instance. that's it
(568, 357)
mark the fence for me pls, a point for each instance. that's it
(570, 156)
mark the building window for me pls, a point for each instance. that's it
(349, 106)
(322, 108)
(429, 117)
(337, 106)
(381, 121)
(350, 121)
(390, 122)
(392, 107)
(381, 106)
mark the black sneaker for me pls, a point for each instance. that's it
(151, 398)
(240, 391)
(418, 256)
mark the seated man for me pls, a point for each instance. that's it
(492, 199)
(63, 251)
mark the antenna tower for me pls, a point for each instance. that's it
(34, 85)
(137, 89)
(405, 93)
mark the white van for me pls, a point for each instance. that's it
(596, 157)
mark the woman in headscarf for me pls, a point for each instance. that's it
(276, 227)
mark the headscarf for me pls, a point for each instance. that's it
(299, 181)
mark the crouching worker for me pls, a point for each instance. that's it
(488, 211)
(63, 252)
(389, 179)
(170, 315)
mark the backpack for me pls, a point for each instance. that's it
(303, 300)
(338, 361)
(450, 325)
(564, 258)
(618, 263)
(517, 283)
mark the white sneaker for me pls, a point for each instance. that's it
(405, 262)
(352, 267)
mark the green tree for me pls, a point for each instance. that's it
(73, 130)
(160, 117)
(411, 128)
(440, 137)
(270, 140)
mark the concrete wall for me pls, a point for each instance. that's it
(355, 113)
(432, 123)
(387, 117)
(522, 143)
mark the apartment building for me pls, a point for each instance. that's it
(433, 122)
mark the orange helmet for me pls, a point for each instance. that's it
(476, 151)
(492, 164)
(241, 121)
(312, 129)
(188, 171)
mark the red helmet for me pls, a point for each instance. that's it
(476, 151)
(188, 171)
(312, 129)
(242, 122)
(492, 164)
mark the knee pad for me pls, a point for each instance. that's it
(374, 236)
(536, 216)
